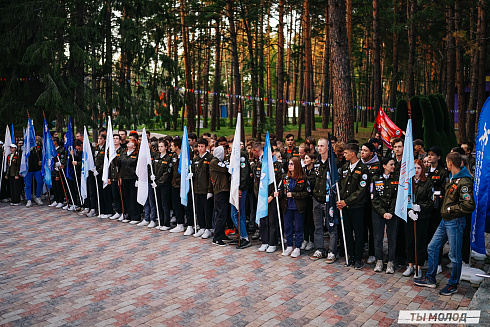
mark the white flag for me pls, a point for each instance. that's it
(144, 159)
(6, 148)
(234, 169)
(87, 163)
(110, 151)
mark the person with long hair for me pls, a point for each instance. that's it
(296, 190)
(383, 195)
(309, 226)
(127, 168)
(419, 216)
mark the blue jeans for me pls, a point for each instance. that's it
(293, 224)
(28, 183)
(150, 205)
(243, 218)
(448, 231)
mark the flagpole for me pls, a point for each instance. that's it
(239, 196)
(66, 181)
(97, 188)
(152, 177)
(343, 228)
(193, 202)
(76, 180)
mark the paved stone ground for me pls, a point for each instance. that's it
(59, 269)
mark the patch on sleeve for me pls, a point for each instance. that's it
(363, 183)
(364, 176)
(466, 197)
(464, 189)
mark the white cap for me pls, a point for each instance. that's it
(1, 143)
(13, 145)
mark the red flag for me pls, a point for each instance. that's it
(386, 128)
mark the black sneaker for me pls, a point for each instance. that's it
(233, 241)
(359, 265)
(425, 282)
(226, 238)
(244, 244)
(219, 243)
(449, 289)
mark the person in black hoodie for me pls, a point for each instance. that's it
(127, 168)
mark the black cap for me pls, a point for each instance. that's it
(437, 150)
(374, 140)
(370, 146)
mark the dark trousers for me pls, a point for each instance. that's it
(57, 188)
(368, 227)
(379, 224)
(91, 200)
(74, 191)
(354, 224)
(116, 196)
(130, 199)
(252, 202)
(400, 243)
(164, 195)
(309, 226)
(178, 207)
(293, 227)
(466, 248)
(5, 191)
(15, 188)
(422, 241)
(221, 205)
(204, 211)
(189, 210)
(105, 197)
(269, 225)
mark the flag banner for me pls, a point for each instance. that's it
(6, 148)
(481, 215)
(184, 165)
(68, 149)
(234, 168)
(12, 134)
(386, 128)
(49, 153)
(110, 153)
(407, 171)
(144, 159)
(332, 216)
(266, 178)
(87, 163)
(29, 143)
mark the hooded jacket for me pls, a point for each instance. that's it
(458, 199)
(218, 171)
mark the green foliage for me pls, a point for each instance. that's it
(431, 135)
(417, 118)
(401, 114)
(452, 140)
(439, 124)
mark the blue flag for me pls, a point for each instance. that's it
(407, 171)
(482, 182)
(332, 179)
(29, 142)
(266, 178)
(68, 149)
(49, 153)
(184, 164)
(12, 134)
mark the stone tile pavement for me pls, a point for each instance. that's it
(58, 269)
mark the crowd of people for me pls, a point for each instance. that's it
(300, 207)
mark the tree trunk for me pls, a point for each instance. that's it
(411, 50)
(307, 40)
(234, 53)
(460, 75)
(280, 72)
(215, 111)
(341, 80)
(108, 53)
(269, 74)
(288, 72)
(188, 75)
(326, 71)
(482, 61)
(451, 61)
(207, 63)
(472, 103)
(394, 74)
(376, 58)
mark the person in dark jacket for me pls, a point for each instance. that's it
(163, 177)
(127, 168)
(309, 226)
(293, 204)
(34, 172)
(13, 174)
(221, 188)
(383, 194)
(353, 186)
(419, 216)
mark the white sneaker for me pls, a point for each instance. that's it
(84, 212)
(371, 259)
(121, 218)
(310, 246)
(29, 204)
(408, 271)
(125, 221)
(379, 266)
(173, 220)
(104, 216)
(178, 229)
(390, 269)
(59, 205)
(115, 216)
(38, 201)
(53, 204)
(164, 228)
(304, 244)
(207, 234)
(199, 233)
(143, 223)
(134, 222)
(439, 269)
(66, 207)
(478, 256)
(151, 224)
(288, 251)
(263, 247)
(189, 231)
(91, 213)
(418, 274)
(271, 249)
(296, 253)
(72, 208)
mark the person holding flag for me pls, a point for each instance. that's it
(72, 178)
(127, 168)
(178, 208)
(267, 213)
(4, 153)
(458, 202)
(87, 180)
(163, 173)
(186, 184)
(13, 174)
(114, 177)
(31, 163)
(218, 173)
(49, 155)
